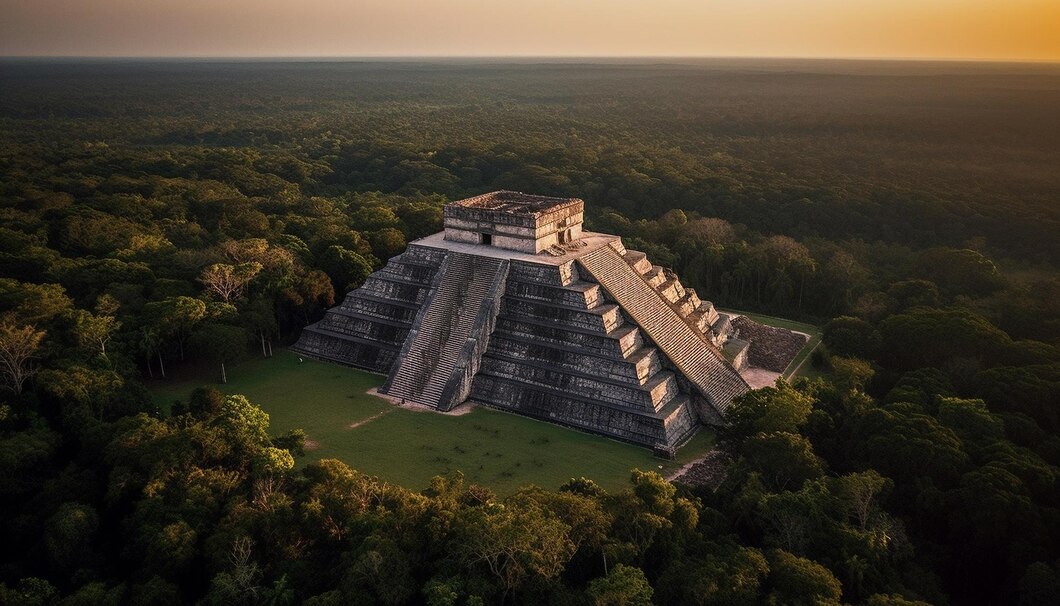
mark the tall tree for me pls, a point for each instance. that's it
(18, 346)
(229, 282)
(148, 343)
(94, 331)
(175, 317)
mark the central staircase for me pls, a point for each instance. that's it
(425, 366)
(697, 359)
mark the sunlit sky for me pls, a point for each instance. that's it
(944, 29)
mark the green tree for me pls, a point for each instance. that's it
(959, 271)
(310, 294)
(34, 304)
(148, 344)
(914, 293)
(623, 586)
(972, 422)
(880, 599)
(851, 374)
(785, 460)
(861, 493)
(387, 242)
(930, 337)
(18, 348)
(511, 543)
(240, 583)
(799, 581)
(95, 389)
(95, 332)
(770, 409)
(244, 421)
(229, 282)
(792, 519)
(906, 445)
(722, 575)
(347, 269)
(69, 535)
(170, 549)
(175, 317)
(260, 319)
(849, 336)
(155, 591)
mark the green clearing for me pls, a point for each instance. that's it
(496, 449)
(797, 366)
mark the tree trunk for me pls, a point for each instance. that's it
(263, 354)
(161, 364)
(150, 370)
(224, 377)
(270, 348)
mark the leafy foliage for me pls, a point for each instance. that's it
(161, 216)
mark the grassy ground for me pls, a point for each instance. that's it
(496, 449)
(800, 365)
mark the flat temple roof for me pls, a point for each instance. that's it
(516, 203)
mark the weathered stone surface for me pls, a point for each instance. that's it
(514, 220)
(543, 335)
(454, 314)
(771, 348)
(691, 352)
(368, 329)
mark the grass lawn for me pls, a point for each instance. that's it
(797, 367)
(496, 449)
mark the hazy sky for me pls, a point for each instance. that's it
(958, 29)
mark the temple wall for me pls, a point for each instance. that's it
(573, 359)
(556, 407)
(369, 327)
(546, 340)
(513, 231)
(562, 352)
(556, 334)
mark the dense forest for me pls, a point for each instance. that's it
(159, 216)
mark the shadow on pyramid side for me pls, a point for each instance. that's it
(514, 307)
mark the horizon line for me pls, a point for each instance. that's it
(382, 57)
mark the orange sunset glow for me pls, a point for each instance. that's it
(943, 29)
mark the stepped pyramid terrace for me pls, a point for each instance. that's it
(515, 307)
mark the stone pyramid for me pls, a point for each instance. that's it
(514, 307)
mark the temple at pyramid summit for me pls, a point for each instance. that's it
(515, 307)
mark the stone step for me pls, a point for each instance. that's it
(696, 358)
(423, 373)
(655, 276)
(638, 261)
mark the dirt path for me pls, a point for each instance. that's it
(357, 424)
